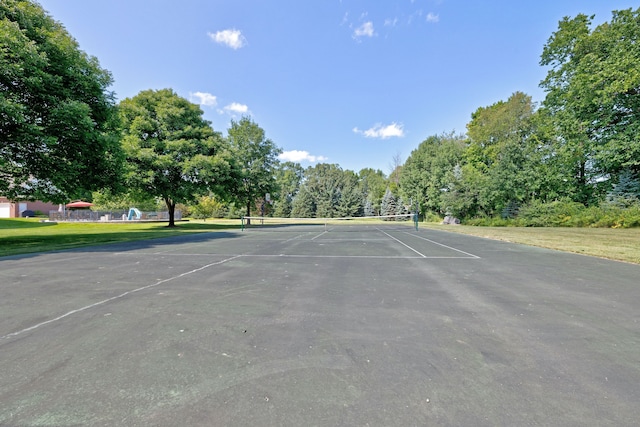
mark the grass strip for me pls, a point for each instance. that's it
(611, 243)
(23, 236)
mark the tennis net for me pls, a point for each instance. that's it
(367, 223)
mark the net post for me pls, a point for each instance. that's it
(242, 221)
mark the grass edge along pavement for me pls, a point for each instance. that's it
(24, 236)
(611, 243)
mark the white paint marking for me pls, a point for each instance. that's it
(339, 256)
(402, 243)
(445, 246)
(293, 238)
(122, 295)
(321, 234)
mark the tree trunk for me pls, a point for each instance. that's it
(171, 207)
(248, 212)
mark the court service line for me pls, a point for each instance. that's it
(350, 256)
(443, 245)
(310, 256)
(402, 243)
(122, 295)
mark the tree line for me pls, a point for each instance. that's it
(65, 137)
(581, 145)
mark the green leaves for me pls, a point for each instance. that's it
(426, 173)
(172, 152)
(56, 115)
(593, 94)
(255, 160)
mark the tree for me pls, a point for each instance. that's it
(172, 152)
(426, 172)
(626, 192)
(388, 205)
(395, 171)
(256, 158)
(593, 96)
(324, 182)
(288, 179)
(328, 191)
(401, 208)
(351, 201)
(57, 118)
(209, 207)
(499, 147)
(461, 198)
(303, 205)
(107, 200)
(368, 208)
(373, 184)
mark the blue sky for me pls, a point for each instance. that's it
(352, 82)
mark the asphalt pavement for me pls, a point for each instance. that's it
(314, 328)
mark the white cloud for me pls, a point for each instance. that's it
(203, 98)
(390, 22)
(432, 17)
(237, 108)
(364, 30)
(345, 18)
(299, 156)
(382, 131)
(231, 38)
(415, 15)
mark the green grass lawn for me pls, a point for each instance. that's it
(612, 243)
(21, 236)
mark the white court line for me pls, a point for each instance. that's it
(278, 240)
(309, 256)
(445, 246)
(122, 295)
(402, 243)
(350, 256)
(321, 234)
(293, 238)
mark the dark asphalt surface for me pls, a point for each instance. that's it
(291, 328)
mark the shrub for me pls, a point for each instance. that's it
(432, 217)
(208, 207)
(571, 214)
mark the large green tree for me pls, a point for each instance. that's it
(324, 183)
(255, 160)
(57, 118)
(289, 176)
(507, 160)
(426, 173)
(328, 191)
(351, 199)
(499, 148)
(593, 96)
(372, 184)
(303, 204)
(172, 152)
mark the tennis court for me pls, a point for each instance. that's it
(318, 325)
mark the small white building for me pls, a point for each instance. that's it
(10, 209)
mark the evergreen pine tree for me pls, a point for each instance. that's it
(388, 205)
(626, 192)
(303, 205)
(368, 208)
(400, 207)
